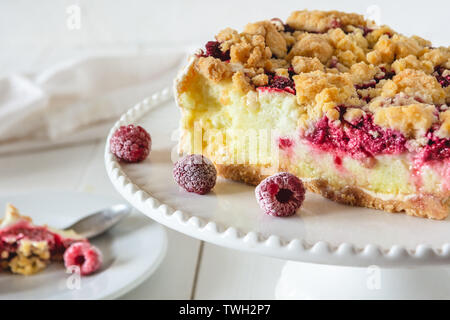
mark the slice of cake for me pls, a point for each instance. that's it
(26, 248)
(359, 112)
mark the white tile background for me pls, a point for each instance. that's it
(33, 35)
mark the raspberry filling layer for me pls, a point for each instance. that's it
(436, 149)
(437, 154)
(361, 139)
(11, 236)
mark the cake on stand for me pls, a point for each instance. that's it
(332, 251)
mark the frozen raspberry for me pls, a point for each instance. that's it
(131, 143)
(83, 255)
(195, 173)
(280, 195)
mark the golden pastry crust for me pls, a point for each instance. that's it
(421, 206)
(12, 215)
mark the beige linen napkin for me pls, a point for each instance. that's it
(79, 100)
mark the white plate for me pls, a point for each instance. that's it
(132, 250)
(323, 231)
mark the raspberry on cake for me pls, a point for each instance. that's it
(27, 249)
(359, 112)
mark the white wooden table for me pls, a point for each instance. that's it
(191, 269)
(35, 35)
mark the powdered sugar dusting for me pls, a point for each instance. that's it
(195, 173)
(280, 195)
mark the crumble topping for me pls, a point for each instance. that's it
(261, 80)
(415, 83)
(413, 120)
(312, 45)
(353, 114)
(321, 21)
(411, 62)
(336, 59)
(306, 64)
(273, 38)
(444, 131)
(12, 215)
(326, 91)
(362, 73)
(241, 82)
(26, 265)
(32, 257)
(438, 57)
(213, 69)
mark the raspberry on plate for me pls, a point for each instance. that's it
(131, 143)
(195, 173)
(83, 255)
(280, 195)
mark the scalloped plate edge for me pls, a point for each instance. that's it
(322, 252)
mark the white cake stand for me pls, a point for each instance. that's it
(332, 250)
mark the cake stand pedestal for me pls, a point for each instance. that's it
(333, 251)
(300, 280)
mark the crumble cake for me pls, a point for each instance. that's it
(358, 111)
(26, 248)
